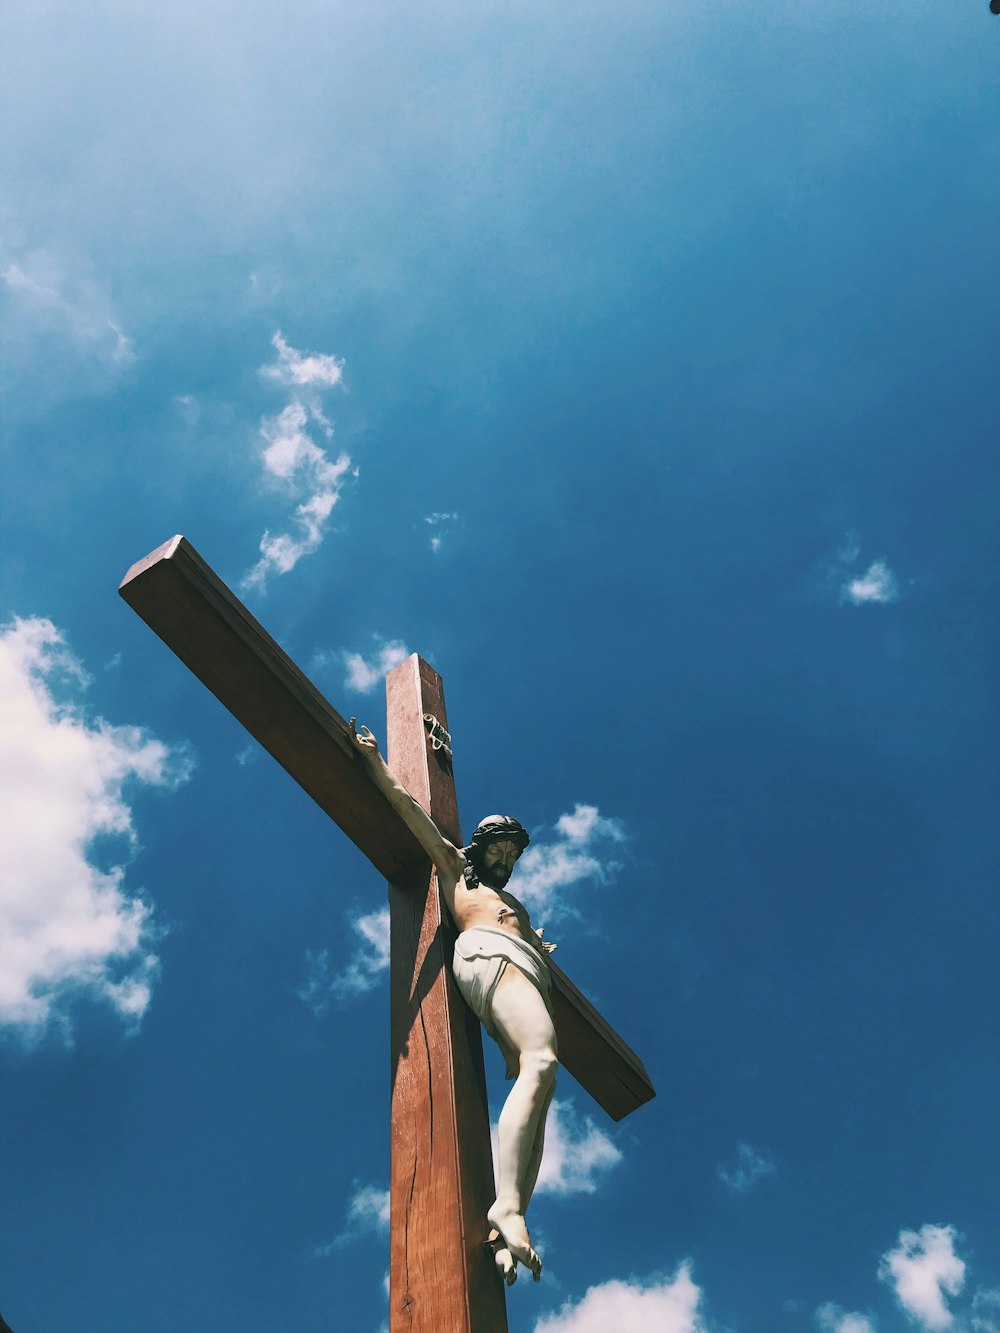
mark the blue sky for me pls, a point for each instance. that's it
(636, 364)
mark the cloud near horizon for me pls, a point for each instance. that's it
(632, 1307)
(831, 1318)
(68, 928)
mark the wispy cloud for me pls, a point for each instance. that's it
(751, 1165)
(292, 459)
(364, 673)
(60, 333)
(367, 1215)
(668, 1306)
(67, 925)
(922, 1270)
(300, 370)
(371, 959)
(831, 1318)
(188, 408)
(69, 303)
(985, 1316)
(440, 523)
(581, 850)
(578, 1155)
(877, 584)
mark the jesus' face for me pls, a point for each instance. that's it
(498, 862)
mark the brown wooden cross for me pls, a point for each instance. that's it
(441, 1278)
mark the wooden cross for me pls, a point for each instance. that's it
(441, 1278)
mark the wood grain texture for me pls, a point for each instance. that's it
(441, 1280)
(186, 603)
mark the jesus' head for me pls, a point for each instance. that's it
(496, 844)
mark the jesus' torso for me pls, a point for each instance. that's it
(485, 906)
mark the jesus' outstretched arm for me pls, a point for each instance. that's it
(446, 857)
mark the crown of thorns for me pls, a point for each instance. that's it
(500, 828)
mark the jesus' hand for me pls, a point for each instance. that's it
(367, 744)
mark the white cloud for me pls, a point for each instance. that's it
(578, 852)
(363, 674)
(577, 1154)
(367, 1215)
(831, 1318)
(370, 961)
(751, 1165)
(923, 1269)
(67, 926)
(577, 1157)
(299, 370)
(439, 521)
(632, 1307)
(877, 584)
(293, 459)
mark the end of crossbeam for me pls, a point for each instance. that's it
(183, 600)
(165, 552)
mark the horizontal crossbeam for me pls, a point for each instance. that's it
(201, 620)
(197, 616)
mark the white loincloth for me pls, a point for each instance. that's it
(481, 956)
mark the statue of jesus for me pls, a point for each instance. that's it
(502, 973)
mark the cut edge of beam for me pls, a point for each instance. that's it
(165, 552)
(179, 552)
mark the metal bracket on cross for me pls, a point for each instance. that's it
(436, 734)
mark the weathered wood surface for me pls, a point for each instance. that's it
(186, 603)
(440, 1277)
(196, 615)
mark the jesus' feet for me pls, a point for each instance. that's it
(502, 1257)
(514, 1230)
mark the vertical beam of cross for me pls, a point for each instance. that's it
(441, 1280)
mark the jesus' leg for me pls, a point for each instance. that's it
(535, 1161)
(520, 1015)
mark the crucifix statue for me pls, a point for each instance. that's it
(500, 968)
(445, 1233)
